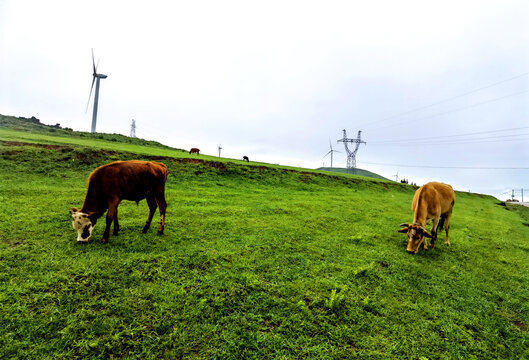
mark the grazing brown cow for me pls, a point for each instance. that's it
(433, 201)
(121, 180)
(194, 151)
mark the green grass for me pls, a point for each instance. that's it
(256, 262)
(354, 171)
(96, 145)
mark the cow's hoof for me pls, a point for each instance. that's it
(144, 230)
(104, 241)
(82, 242)
(160, 232)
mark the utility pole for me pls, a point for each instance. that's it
(220, 148)
(522, 194)
(512, 197)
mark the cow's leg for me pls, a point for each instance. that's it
(152, 209)
(116, 223)
(447, 227)
(162, 205)
(111, 216)
(434, 231)
(434, 234)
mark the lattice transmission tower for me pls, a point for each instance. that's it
(133, 129)
(351, 155)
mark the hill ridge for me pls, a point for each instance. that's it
(355, 171)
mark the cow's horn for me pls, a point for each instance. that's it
(404, 225)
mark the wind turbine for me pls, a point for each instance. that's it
(396, 176)
(96, 96)
(331, 151)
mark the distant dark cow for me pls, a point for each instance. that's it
(121, 180)
(194, 151)
(245, 158)
(433, 201)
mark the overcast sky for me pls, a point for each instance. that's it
(276, 80)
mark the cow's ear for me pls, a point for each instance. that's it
(404, 230)
(73, 211)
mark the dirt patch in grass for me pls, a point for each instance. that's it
(520, 325)
(45, 146)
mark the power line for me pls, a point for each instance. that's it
(459, 143)
(457, 109)
(445, 100)
(449, 167)
(503, 138)
(450, 136)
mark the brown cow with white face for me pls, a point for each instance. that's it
(109, 184)
(432, 202)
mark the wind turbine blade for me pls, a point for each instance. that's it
(93, 62)
(89, 96)
(95, 69)
(327, 153)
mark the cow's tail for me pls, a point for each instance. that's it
(164, 171)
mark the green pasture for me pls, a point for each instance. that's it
(256, 262)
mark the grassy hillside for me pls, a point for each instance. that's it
(32, 126)
(355, 171)
(256, 262)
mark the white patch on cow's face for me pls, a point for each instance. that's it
(415, 239)
(82, 223)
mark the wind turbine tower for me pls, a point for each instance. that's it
(351, 155)
(331, 151)
(96, 78)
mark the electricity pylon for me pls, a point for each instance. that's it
(351, 155)
(133, 129)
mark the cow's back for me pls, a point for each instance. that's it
(129, 180)
(445, 195)
(439, 197)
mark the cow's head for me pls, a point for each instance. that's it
(84, 224)
(416, 236)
